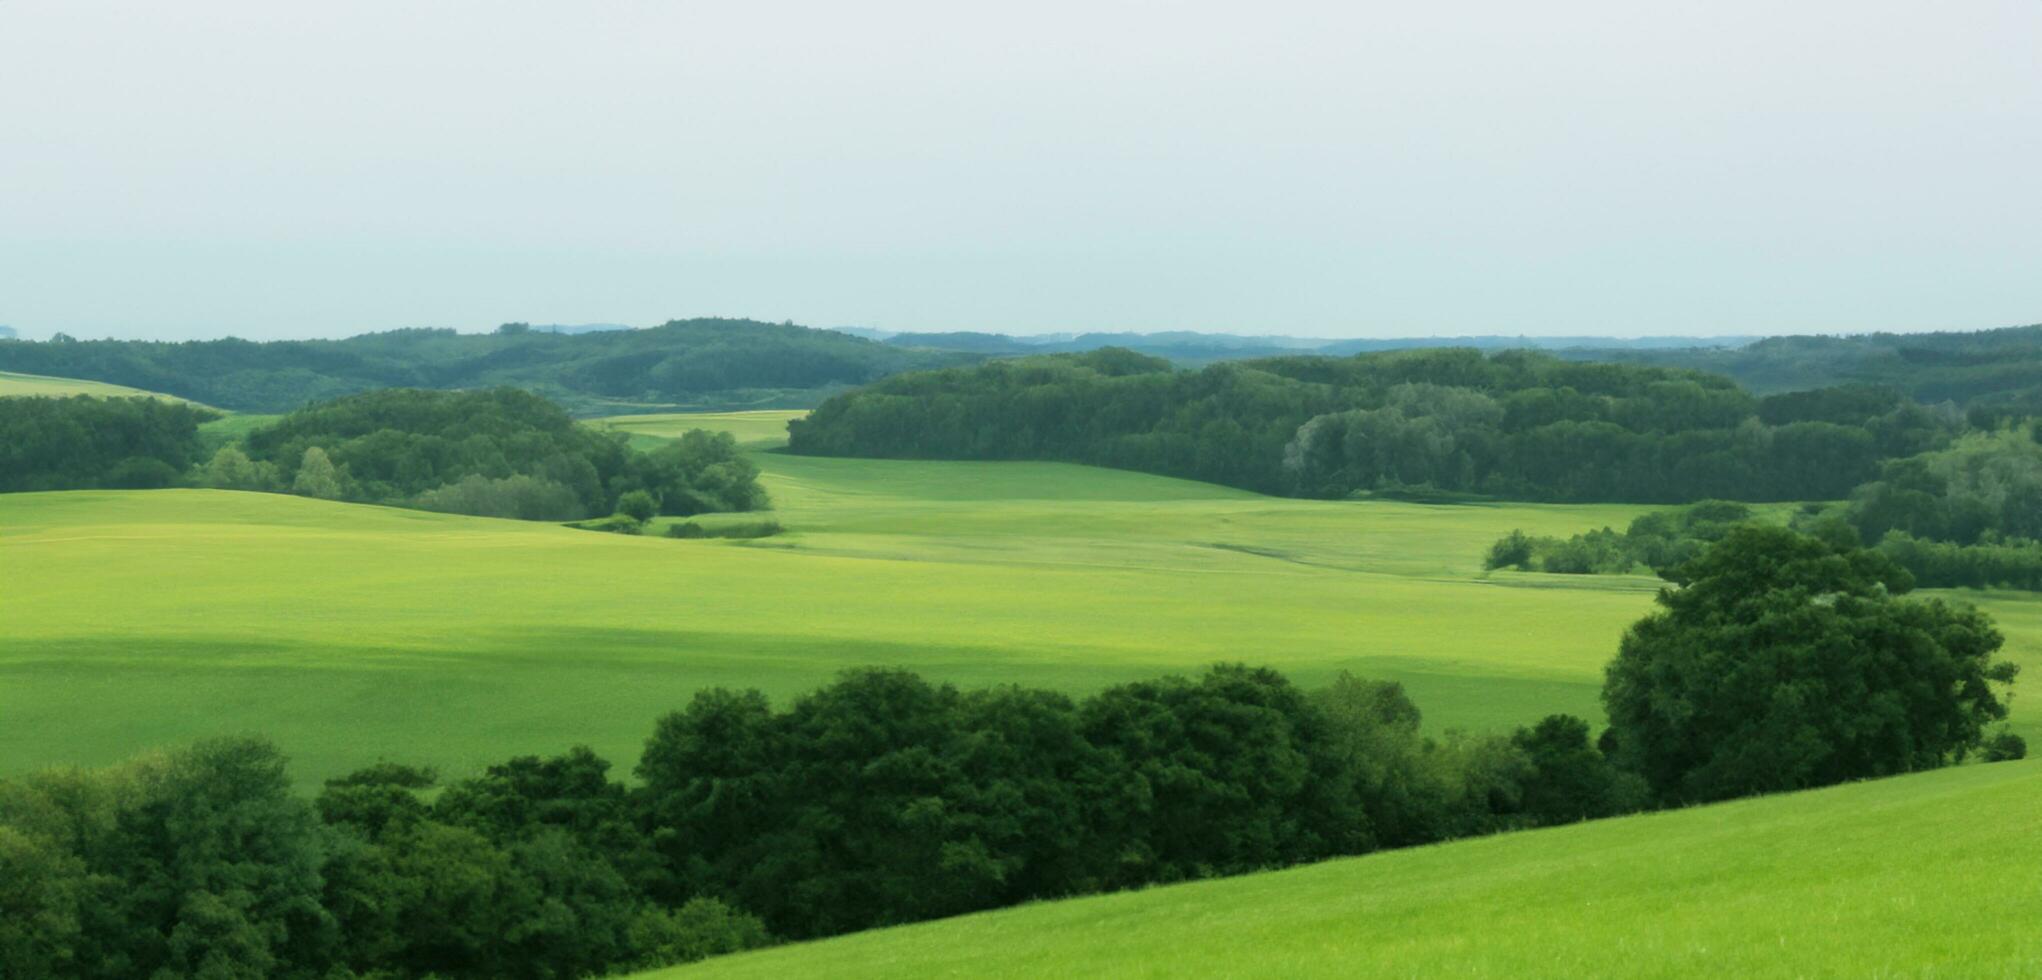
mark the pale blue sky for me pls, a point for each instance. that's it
(180, 168)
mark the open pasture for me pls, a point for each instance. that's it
(13, 385)
(351, 633)
(1929, 875)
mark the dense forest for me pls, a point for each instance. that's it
(85, 443)
(1966, 515)
(1512, 424)
(709, 364)
(500, 452)
(1984, 368)
(884, 798)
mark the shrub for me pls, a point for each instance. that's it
(638, 505)
(520, 497)
(747, 529)
(1513, 550)
(2005, 747)
(702, 928)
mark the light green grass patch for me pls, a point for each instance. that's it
(351, 633)
(14, 385)
(1931, 875)
(753, 429)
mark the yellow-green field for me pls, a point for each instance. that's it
(1932, 875)
(25, 385)
(756, 429)
(351, 633)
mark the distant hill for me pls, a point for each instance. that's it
(1988, 366)
(1189, 349)
(7, 333)
(706, 364)
(30, 385)
(1993, 366)
(578, 328)
(719, 364)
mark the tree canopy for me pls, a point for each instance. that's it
(83, 442)
(1782, 662)
(1512, 424)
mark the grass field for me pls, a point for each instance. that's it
(1930, 875)
(26, 385)
(351, 633)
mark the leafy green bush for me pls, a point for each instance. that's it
(520, 497)
(637, 505)
(748, 529)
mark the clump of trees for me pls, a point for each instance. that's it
(83, 442)
(1783, 662)
(203, 863)
(1656, 541)
(1968, 515)
(496, 453)
(1511, 424)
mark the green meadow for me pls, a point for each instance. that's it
(1930, 875)
(350, 633)
(27, 385)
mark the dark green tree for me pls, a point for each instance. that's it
(1781, 663)
(638, 505)
(1570, 779)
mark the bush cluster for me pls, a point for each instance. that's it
(1657, 541)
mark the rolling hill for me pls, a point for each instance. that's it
(351, 633)
(29, 385)
(1930, 875)
(691, 363)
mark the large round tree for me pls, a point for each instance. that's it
(1780, 662)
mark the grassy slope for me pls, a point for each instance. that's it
(25, 385)
(1926, 875)
(351, 633)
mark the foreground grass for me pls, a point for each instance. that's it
(1930, 875)
(351, 633)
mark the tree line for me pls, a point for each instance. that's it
(499, 452)
(1513, 424)
(84, 443)
(1967, 515)
(706, 363)
(1782, 662)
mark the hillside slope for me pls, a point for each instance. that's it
(32, 385)
(1926, 875)
(702, 363)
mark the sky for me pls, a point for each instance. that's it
(200, 168)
